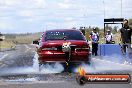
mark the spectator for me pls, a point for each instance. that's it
(109, 37)
(126, 32)
(94, 38)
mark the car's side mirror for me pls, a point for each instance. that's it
(36, 42)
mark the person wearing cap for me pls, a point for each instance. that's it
(109, 37)
(94, 36)
(126, 32)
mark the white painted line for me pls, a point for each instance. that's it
(49, 81)
(35, 45)
(27, 47)
(3, 56)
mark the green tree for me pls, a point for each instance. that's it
(115, 29)
(107, 27)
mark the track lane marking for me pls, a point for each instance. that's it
(5, 55)
(27, 47)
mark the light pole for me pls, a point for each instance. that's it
(104, 8)
(104, 17)
(121, 8)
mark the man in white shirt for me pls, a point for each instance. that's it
(109, 37)
(94, 38)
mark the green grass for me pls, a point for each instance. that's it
(22, 38)
(6, 44)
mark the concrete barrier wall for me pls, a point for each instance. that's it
(109, 49)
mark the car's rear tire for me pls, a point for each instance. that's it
(81, 80)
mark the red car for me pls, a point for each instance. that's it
(63, 45)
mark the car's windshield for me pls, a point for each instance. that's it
(60, 35)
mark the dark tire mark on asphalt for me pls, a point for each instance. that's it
(23, 60)
(19, 58)
(42, 77)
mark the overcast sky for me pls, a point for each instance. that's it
(21, 16)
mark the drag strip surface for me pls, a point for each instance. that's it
(20, 70)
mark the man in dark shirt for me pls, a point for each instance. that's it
(126, 32)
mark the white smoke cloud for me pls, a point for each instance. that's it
(107, 64)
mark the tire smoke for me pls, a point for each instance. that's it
(107, 64)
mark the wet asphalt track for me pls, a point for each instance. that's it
(16, 72)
